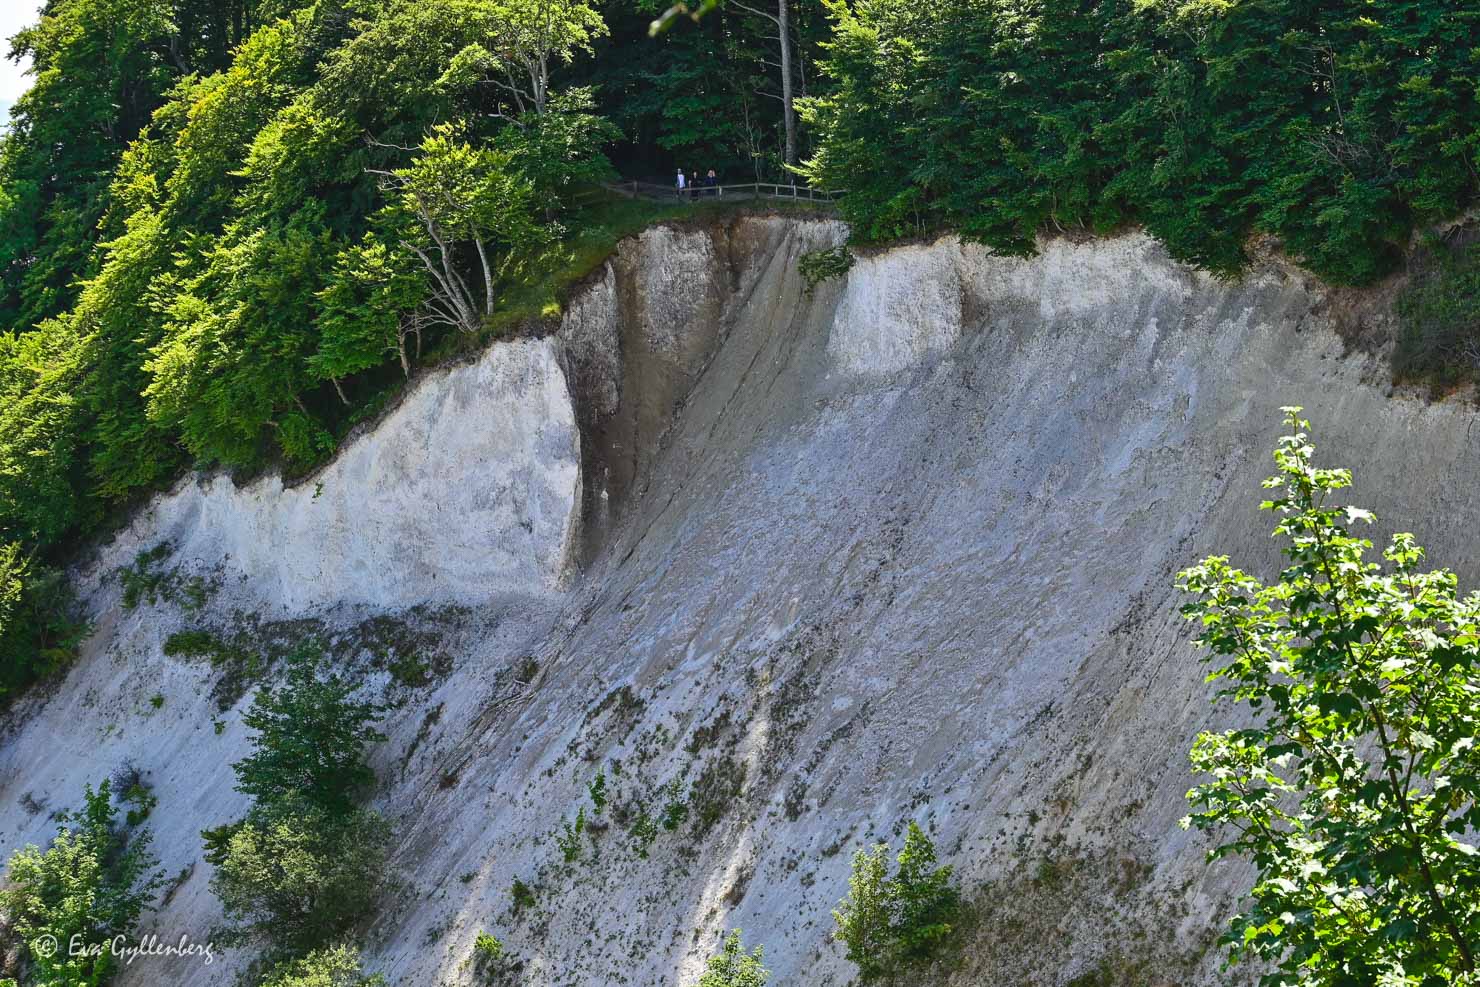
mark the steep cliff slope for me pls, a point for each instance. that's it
(810, 564)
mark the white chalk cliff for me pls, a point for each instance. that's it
(900, 548)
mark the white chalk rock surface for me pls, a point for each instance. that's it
(810, 564)
(467, 489)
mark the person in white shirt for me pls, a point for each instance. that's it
(683, 182)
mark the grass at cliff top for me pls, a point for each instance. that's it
(537, 297)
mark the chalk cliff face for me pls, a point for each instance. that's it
(809, 564)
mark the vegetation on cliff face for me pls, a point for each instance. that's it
(306, 865)
(1355, 791)
(1439, 310)
(734, 967)
(229, 230)
(39, 624)
(88, 886)
(898, 927)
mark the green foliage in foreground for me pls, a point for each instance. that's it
(306, 865)
(1354, 791)
(92, 883)
(335, 966)
(734, 967)
(892, 926)
(1338, 127)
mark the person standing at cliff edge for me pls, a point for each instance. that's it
(681, 183)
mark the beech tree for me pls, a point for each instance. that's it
(894, 925)
(372, 305)
(309, 751)
(453, 198)
(526, 40)
(1354, 791)
(786, 71)
(781, 21)
(308, 861)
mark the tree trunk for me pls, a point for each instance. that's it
(539, 77)
(401, 352)
(788, 109)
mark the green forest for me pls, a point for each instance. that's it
(230, 231)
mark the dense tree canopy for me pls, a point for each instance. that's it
(1337, 125)
(218, 244)
(89, 885)
(213, 225)
(236, 211)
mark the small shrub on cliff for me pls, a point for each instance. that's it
(488, 947)
(521, 896)
(570, 840)
(734, 967)
(597, 789)
(145, 581)
(891, 926)
(825, 265)
(1354, 791)
(91, 884)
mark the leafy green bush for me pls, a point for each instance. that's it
(825, 265)
(597, 791)
(734, 967)
(1353, 787)
(309, 752)
(892, 925)
(92, 883)
(299, 881)
(143, 581)
(521, 896)
(570, 840)
(334, 966)
(488, 947)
